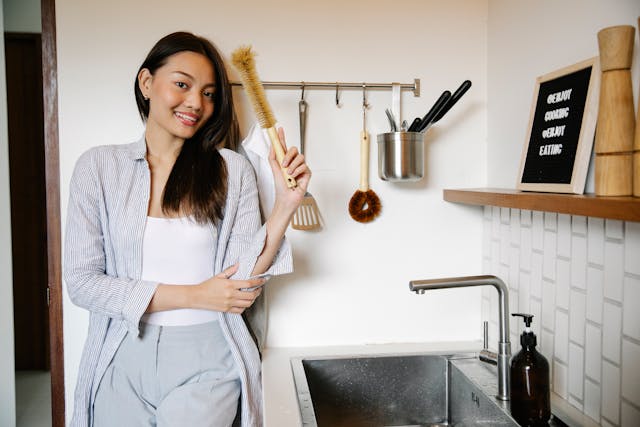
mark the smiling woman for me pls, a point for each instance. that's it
(165, 248)
(175, 94)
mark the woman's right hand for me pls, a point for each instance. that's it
(220, 293)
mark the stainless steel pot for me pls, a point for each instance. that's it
(401, 156)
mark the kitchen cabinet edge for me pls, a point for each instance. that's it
(622, 208)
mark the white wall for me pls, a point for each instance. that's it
(579, 276)
(351, 280)
(7, 374)
(22, 16)
(527, 39)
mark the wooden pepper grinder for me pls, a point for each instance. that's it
(616, 121)
(636, 147)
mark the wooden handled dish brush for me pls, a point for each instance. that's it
(243, 59)
(364, 205)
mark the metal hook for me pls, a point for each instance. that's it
(365, 104)
(338, 105)
(302, 95)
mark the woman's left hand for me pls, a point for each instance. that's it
(296, 166)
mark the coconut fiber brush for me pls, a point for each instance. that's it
(364, 205)
(243, 59)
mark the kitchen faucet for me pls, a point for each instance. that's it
(504, 346)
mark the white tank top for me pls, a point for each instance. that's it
(178, 251)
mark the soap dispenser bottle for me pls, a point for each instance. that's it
(530, 405)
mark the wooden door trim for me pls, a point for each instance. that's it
(52, 179)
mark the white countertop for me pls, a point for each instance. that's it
(280, 399)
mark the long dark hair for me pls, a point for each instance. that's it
(198, 180)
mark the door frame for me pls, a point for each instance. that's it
(52, 182)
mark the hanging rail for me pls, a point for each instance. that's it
(415, 86)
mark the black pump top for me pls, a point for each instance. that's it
(527, 318)
(528, 338)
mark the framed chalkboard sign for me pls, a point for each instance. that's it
(561, 128)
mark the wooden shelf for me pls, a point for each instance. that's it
(623, 208)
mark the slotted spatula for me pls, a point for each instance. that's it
(307, 216)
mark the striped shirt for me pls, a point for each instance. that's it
(109, 198)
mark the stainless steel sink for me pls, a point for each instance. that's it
(398, 390)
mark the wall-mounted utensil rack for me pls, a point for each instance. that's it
(414, 87)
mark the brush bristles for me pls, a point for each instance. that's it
(364, 206)
(243, 59)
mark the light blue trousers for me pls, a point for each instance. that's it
(170, 376)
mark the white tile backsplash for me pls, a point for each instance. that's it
(563, 277)
(632, 248)
(595, 240)
(494, 307)
(486, 307)
(513, 308)
(548, 304)
(515, 227)
(505, 244)
(631, 369)
(495, 221)
(503, 272)
(630, 311)
(592, 394)
(486, 239)
(611, 392)
(525, 248)
(560, 379)
(514, 268)
(495, 255)
(561, 342)
(550, 255)
(546, 345)
(579, 224)
(488, 212)
(486, 267)
(576, 370)
(524, 294)
(613, 229)
(579, 261)
(564, 235)
(613, 270)
(535, 308)
(593, 352)
(551, 221)
(630, 416)
(595, 284)
(611, 331)
(505, 215)
(580, 278)
(577, 316)
(536, 275)
(537, 227)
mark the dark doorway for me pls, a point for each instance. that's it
(30, 61)
(23, 53)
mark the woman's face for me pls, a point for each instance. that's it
(180, 94)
